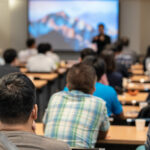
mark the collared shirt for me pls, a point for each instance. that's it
(109, 95)
(54, 57)
(40, 63)
(24, 55)
(75, 118)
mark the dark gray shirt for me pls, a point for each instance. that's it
(6, 69)
(29, 141)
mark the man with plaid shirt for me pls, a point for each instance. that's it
(77, 117)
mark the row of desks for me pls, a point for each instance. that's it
(116, 134)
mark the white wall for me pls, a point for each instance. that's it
(130, 26)
(134, 23)
(13, 23)
(18, 24)
(145, 25)
(4, 24)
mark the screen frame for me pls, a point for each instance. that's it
(70, 50)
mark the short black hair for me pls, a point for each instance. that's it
(101, 25)
(30, 42)
(109, 58)
(9, 55)
(98, 64)
(81, 77)
(86, 52)
(49, 46)
(117, 47)
(17, 98)
(43, 48)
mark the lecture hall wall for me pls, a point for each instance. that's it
(134, 23)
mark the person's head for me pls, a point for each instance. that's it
(148, 52)
(87, 52)
(44, 48)
(30, 43)
(49, 46)
(125, 41)
(101, 28)
(81, 77)
(10, 56)
(117, 47)
(109, 58)
(17, 99)
(98, 64)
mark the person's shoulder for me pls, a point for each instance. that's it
(53, 144)
(60, 94)
(107, 88)
(47, 143)
(95, 99)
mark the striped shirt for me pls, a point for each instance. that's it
(75, 118)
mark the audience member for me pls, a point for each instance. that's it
(146, 62)
(11, 61)
(120, 67)
(126, 56)
(41, 62)
(76, 116)
(31, 50)
(107, 93)
(18, 112)
(114, 78)
(90, 52)
(86, 52)
(52, 55)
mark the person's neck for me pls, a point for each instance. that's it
(13, 64)
(16, 127)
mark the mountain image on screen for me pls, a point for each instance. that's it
(72, 34)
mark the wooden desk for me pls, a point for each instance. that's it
(125, 135)
(131, 111)
(137, 67)
(116, 134)
(61, 70)
(23, 70)
(139, 78)
(138, 86)
(39, 83)
(127, 98)
(43, 76)
(39, 129)
(137, 72)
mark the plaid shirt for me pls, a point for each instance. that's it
(76, 118)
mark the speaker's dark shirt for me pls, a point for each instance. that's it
(101, 44)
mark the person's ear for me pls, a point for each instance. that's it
(80, 59)
(93, 90)
(34, 112)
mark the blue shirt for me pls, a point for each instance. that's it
(109, 95)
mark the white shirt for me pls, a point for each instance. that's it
(40, 63)
(24, 55)
(2, 62)
(54, 57)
